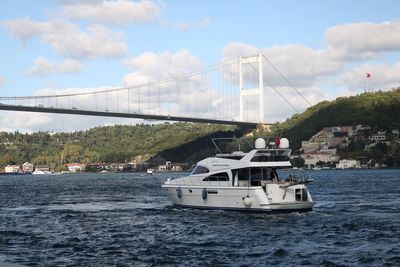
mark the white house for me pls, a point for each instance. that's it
(311, 159)
(27, 167)
(11, 169)
(76, 167)
(347, 164)
(378, 137)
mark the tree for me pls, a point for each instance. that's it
(72, 153)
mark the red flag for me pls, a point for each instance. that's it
(368, 75)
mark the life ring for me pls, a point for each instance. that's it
(204, 194)
(179, 192)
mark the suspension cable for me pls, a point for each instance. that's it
(287, 101)
(283, 76)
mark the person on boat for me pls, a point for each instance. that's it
(273, 176)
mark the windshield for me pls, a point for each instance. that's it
(199, 170)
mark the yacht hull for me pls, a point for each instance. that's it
(234, 199)
(251, 210)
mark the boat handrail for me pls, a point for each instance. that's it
(241, 140)
(289, 176)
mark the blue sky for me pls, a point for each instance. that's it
(338, 41)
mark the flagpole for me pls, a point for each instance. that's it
(368, 76)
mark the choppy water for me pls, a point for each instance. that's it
(127, 220)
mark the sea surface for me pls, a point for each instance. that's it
(126, 219)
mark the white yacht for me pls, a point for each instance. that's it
(252, 181)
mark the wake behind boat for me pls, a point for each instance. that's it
(243, 181)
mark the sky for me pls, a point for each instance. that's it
(325, 48)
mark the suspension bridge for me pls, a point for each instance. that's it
(229, 92)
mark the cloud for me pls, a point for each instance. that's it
(363, 40)
(303, 66)
(43, 66)
(152, 67)
(2, 81)
(24, 120)
(11, 121)
(121, 12)
(96, 41)
(383, 77)
(198, 25)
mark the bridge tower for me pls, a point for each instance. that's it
(252, 91)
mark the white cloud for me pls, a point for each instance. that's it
(383, 77)
(152, 67)
(43, 66)
(24, 120)
(303, 66)
(363, 40)
(11, 121)
(198, 25)
(116, 12)
(96, 41)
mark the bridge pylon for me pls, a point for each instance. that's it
(252, 91)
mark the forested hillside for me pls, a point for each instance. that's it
(379, 110)
(118, 143)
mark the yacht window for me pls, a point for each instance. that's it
(301, 194)
(243, 174)
(262, 174)
(270, 156)
(199, 170)
(223, 176)
(297, 193)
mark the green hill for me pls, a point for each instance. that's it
(119, 143)
(379, 110)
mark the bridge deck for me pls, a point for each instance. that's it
(122, 115)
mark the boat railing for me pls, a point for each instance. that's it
(295, 175)
(285, 176)
(199, 181)
(240, 142)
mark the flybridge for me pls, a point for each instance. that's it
(276, 152)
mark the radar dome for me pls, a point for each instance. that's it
(260, 143)
(284, 143)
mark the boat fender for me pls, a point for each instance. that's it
(247, 201)
(204, 194)
(179, 192)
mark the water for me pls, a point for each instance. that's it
(127, 220)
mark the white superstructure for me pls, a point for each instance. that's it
(250, 181)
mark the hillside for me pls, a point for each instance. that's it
(118, 143)
(379, 110)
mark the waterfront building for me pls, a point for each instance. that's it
(27, 167)
(12, 169)
(348, 163)
(311, 159)
(76, 167)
